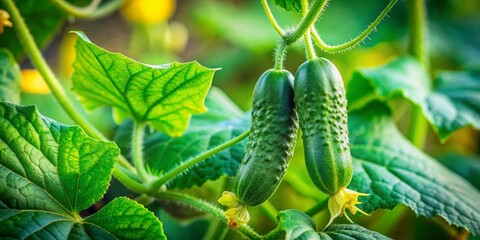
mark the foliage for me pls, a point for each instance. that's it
(50, 172)
(178, 140)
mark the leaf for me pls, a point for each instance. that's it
(221, 123)
(9, 77)
(49, 172)
(297, 225)
(452, 105)
(165, 96)
(125, 219)
(43, 20)
(350, 231)
(290, 5)
(393, 171)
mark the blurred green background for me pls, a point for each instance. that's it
(236, 36)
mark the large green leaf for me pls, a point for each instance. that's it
(50, 172)
(222, 122)
(393, 171)
(43, 21)
(298, 226)
(9, 77)
(453, 103)
(165, 96)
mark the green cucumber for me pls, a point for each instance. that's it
(322, 109)
(271, 141)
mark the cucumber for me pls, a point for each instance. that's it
(322, 108)
(271, 141)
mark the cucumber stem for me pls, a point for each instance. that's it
(309, 49)
(280, 55)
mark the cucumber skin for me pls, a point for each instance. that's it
(322, 109)
(271, 141)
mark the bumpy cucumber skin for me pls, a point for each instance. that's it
(322, 109)
(271, 141)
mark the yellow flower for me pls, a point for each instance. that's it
(342, 200)
(148, 11)
(237, 213)
(33, 82)
(4, 22)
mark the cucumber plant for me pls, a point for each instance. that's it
(181, 144)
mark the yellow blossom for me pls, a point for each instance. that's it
(4, 22)
(237, 213)
(342, 200)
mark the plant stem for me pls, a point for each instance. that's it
(272, 20)
(320, 206)
(310, 51)
(128, 181)
(418, 48)
(93, 10)
(52, 82)
(137, 150)
(274, 234)
(280, 56)
(204, 207)
(307, 22)
(269, 210)
(357, 40)
(418, 128)
(174, 172)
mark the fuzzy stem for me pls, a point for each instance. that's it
(137, 151)
(307, 22)
(309, 49)
(357, 40)
(280, 56)
(128, 181)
